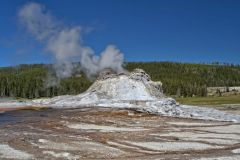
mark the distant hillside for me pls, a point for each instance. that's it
(181, 79)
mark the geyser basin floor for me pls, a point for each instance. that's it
(108, 133)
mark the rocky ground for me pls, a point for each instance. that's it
(108, 133)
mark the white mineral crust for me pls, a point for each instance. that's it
(134, 91)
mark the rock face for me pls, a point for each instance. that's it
(135, 91)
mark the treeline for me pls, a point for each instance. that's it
(34, 81)
(185, 79)
(181, 79)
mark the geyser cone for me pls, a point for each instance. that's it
(134, 90)
(135, 86)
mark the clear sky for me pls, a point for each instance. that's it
(145, 30)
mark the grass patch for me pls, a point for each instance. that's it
(233, 99)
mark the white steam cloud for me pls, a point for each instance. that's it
(66, 43)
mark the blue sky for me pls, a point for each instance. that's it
(145, 30)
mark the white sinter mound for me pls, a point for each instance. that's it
(134, 91)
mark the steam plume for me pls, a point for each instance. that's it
(66, 43)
